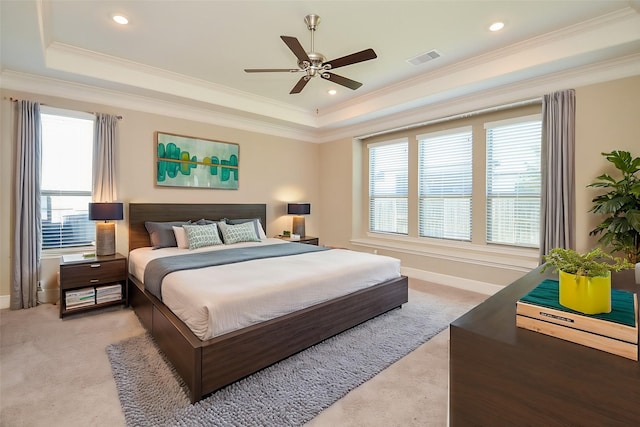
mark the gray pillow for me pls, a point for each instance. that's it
(161, 233)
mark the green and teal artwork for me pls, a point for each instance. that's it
(183, 161)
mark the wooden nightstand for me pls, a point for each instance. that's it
(309, 240)
(90, 283)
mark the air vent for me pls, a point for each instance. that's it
(424, 57)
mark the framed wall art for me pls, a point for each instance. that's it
(184, 161)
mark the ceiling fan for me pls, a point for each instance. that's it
(315, 64)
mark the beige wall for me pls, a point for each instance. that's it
(273, 170)
(607, 118)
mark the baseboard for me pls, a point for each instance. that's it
(453, 281)
(5, 301)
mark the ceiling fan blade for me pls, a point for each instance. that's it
(300, 85)
(271, 70)
(296, 48)
(354, 58)
(343, 81)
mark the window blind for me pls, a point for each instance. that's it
(514, 182)
(445, 177)
(388, 187)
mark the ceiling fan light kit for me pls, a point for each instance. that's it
(315, 64)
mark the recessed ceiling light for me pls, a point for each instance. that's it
(332, 92)
(120, 19)
(496, 26)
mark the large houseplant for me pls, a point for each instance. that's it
(585, 279)
(620, 229)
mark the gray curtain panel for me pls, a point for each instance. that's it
(27, 243)
(558, 178)
(104, 172)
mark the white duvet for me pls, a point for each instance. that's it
(216, 300)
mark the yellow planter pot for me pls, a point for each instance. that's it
(588, 295)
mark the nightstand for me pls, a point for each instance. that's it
(309, 240)
(90, 283)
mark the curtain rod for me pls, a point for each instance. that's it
(453, 117)
(12, 99)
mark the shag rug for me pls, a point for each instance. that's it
(288, 393)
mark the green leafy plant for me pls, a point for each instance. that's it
(621, 204)
(594, 263)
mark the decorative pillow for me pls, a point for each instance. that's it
(256, 223)
(202, 235)
(161, 233)
(244, 232)
(181, 237)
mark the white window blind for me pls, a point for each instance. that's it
(388, 187)
(445, 174)
(513, 182)
(67, 150)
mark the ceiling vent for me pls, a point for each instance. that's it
(424, 57)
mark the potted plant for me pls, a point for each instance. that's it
(585, 279)
(620, 229)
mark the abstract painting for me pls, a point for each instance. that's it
(183, 161)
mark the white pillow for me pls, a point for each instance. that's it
(181, 237)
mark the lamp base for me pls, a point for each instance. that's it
(105, 238)
(298, 226)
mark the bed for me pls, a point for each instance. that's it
(210, 364)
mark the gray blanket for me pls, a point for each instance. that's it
(157, 269)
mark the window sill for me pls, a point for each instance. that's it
(504, 257)
(57, 252)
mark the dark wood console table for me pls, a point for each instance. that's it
(502, 375)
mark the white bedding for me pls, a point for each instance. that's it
(216, 300)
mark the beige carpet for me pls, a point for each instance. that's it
(55, 372)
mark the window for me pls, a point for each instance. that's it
(445, 174)
(65, 192)
(514, 181)
(388, 187)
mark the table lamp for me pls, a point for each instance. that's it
(105, 231)
(298, 209)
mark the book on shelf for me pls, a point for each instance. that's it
(80, 297)
(80, 305)
(108, 299)
(615, 332)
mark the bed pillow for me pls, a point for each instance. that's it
(256, 223)
(181, 237)
(244, 232)
(161, 234)
(200, 236)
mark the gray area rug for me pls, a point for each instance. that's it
(288, 393)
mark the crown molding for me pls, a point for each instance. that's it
(85, 93)
(75, 60)
(614, 69)
(535, 87)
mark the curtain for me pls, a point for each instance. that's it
(558, 180)
(27, 243)
(104, 172)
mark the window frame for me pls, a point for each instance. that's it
(477, 251)
(501, 123)
(370, 196)
(420, 138)
(63, 249)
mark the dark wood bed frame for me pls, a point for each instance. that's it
(209, 365)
